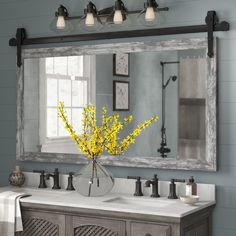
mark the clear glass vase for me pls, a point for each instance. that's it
(93, 180)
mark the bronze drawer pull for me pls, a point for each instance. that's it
(148, 235)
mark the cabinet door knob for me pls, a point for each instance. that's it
(148, 235)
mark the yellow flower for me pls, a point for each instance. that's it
(95, 140)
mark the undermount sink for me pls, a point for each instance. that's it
(129, 201)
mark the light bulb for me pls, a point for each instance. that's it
(150, 14)
(61, 24)
(118, 18)
(89, 21)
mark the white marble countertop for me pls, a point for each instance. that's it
(128, 204)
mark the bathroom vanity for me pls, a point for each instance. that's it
(65, 213)
(47, 220)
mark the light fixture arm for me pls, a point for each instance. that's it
(162, 9)
(211, 26)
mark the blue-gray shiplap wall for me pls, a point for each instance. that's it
(35, 17)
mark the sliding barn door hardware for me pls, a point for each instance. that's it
(212, 25)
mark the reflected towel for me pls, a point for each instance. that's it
(10, 212)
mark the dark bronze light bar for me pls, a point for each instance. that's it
(212, 24)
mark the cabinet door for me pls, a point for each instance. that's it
(42, 224)
(86, 226)
(199, 230)
(146, 229)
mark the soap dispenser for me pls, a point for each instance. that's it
(191, 187)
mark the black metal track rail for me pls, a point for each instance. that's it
(212, 24)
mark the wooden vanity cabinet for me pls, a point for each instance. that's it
(44, 220)
(38, 223)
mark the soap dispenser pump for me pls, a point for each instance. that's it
(191, 187)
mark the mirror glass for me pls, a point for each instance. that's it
(173, 79)
(168, 84)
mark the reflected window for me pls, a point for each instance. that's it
(67, 79)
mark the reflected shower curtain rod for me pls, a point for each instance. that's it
(212, 24)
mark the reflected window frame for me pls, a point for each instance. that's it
(63, 143)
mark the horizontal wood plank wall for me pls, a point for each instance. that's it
(36, 16)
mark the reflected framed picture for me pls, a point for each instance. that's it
(120, 95)
(121, 64)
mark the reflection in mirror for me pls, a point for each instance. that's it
(192, 108)
(46, 82)
(172, 79)
(169, 84)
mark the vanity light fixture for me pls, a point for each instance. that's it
(120, 12)
(116, 14)
(90, 13)
(150, 8)
(148, 16)
(61, 15)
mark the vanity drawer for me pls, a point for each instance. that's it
(146, 229)
(89, 226)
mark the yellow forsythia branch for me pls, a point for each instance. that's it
(95, 140)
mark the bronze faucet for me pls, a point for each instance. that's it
(55, 176)
(154, 183)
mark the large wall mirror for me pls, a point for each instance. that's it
(172, 79)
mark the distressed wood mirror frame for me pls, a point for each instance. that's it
(210, 163)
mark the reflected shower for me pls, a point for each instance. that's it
(163, 150)
(173, 78)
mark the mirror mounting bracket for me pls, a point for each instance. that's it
(18, 42)
(212, 24)
(211, 21)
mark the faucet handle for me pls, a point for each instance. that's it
(154, 183)
(55, 177)
(138, 185)
(70, 186)
(172, 193)
(42, 183)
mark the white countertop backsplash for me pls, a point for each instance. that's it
(127, 186)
